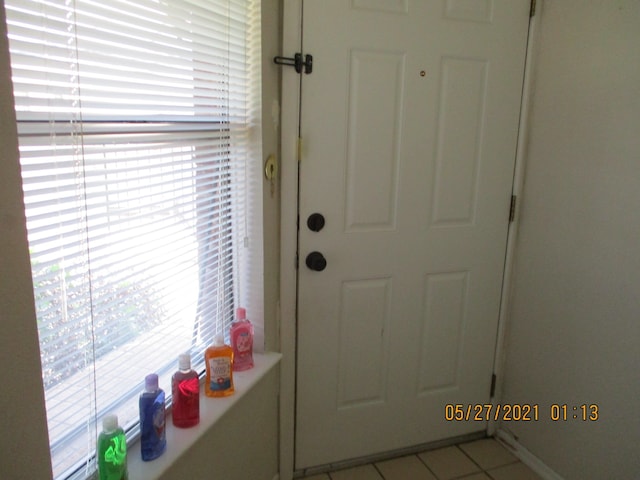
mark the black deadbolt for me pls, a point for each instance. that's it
(316, 261)
(315, 222)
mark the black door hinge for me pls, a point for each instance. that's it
(493, 386)
(532, 10)
(297, 62)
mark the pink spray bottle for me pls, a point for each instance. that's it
(242, 341)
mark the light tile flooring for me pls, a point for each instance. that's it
(482, 459)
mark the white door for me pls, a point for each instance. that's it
(409, 124)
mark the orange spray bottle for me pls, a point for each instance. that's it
(219, 363)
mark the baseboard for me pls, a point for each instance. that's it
(525, 456)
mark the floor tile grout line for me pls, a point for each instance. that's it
(427, 467)
(379, 472)
(482, 469)
(489, 475)
(469, 457)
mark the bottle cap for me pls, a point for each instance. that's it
(241, 313)
(218, 341)
(184, 361)
(110, 422)
(151, 382)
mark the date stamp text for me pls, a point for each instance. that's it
(515, 412)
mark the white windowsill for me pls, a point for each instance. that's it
(179, 440)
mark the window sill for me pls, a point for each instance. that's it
(179, 440)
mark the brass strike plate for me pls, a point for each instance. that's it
(271, 168)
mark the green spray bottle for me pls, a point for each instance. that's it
(112, 450)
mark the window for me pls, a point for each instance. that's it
(139, 144)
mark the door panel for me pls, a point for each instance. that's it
(443, 317)
(460, 120)
(373, 145)
(364, 314)
(409, 124)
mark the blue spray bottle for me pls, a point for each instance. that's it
(153, 439)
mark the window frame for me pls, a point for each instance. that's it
(32, 127)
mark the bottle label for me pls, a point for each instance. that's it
(190, 388)
(220, 368)
(243, 342)
(116, 453)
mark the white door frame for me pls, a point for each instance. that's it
(291, 151)
(518, 184)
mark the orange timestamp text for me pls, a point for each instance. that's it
(515, 412)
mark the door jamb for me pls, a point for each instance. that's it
(291, 43)
(499, 362)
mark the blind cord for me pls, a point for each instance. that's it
(77, 133)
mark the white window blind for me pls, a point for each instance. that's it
(138, 123)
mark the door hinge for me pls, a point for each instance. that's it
(512, 208)
(296, 62)
(299, 149)
(532, 10)
(493, 386)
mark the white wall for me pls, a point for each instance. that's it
(24, 444)
(24, 451)
(271, 40)
(574, 327)
(243, 445)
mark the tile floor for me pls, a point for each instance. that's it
(482, 459)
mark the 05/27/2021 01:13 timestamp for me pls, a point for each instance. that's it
(557, 412)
